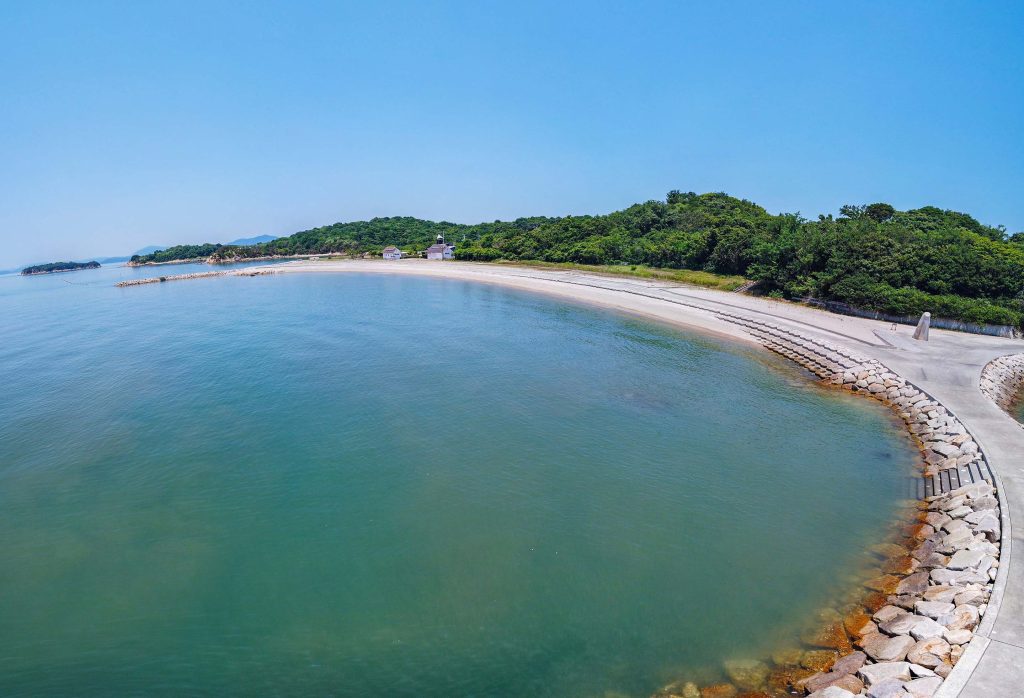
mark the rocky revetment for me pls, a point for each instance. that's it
(901, 633)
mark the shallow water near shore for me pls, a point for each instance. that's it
(386, 485)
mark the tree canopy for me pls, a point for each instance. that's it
(59, 266)
(872, 256)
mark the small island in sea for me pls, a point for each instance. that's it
(54, 267)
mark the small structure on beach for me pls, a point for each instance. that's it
(392, 252)
(441, 250)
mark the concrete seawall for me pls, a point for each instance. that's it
(1002, 380)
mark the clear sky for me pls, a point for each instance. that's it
(135, 123)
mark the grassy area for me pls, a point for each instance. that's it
(683, 276)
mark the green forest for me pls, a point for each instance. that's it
(872, 256)
(58, 266)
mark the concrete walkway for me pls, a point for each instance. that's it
(948, 367)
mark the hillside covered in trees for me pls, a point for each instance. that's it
(54, 267)
(873, 257)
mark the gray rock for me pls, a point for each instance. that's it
(965, 559)
(876, 673)
(976, 490)
(747, 674)
(959, 636)
(924, 687)
(952, 501)
(926, 629)
(957, 540)
(900, 625)
(913, 584)
(989, 525)
(956, 524)
(987, 563)
(905, 601)
(832, 692)
(889, 688)
(850, 663)
(887, 613)
(964, 616)
(972, 597)
(984, 504)
(985, 547)
(891, 649)
(977, 515)
(960, 578)
(933, 609)
(936, 519)
(929, 652)
(941, 593)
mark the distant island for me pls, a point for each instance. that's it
(872, 257)
(55, 267)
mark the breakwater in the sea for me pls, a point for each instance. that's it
(902, 632)
(197, 275)
(1002, 380)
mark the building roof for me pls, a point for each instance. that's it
(391, 248)
(438, 248)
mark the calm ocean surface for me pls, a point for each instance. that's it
(362, 485)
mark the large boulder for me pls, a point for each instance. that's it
(913, 584)
(965, 559)
(850, 663)
(747, 674)
(901, 625)
(923, 687)
(832, 692)
(962, 617)
(926, 629)
(890, 688)
(876, 673)
(929, 652)
(933, 609)
(888, 649)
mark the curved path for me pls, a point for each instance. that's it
(948, 367)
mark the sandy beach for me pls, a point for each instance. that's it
(685, 306)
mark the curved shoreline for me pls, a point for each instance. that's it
(1002, 380)
(922, 403)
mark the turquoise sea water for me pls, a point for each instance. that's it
(381, 485)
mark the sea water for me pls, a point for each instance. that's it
(361, 484)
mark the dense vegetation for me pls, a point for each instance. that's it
(873, 257)
(59, 266)
(176, 254)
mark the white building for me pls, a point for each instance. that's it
(392, 252)
(441, 251)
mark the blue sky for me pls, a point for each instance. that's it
(128, 124)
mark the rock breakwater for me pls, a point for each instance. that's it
(902, 632)
(1002, 380)
(197, 275)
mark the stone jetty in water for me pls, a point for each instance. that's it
(197, 275)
